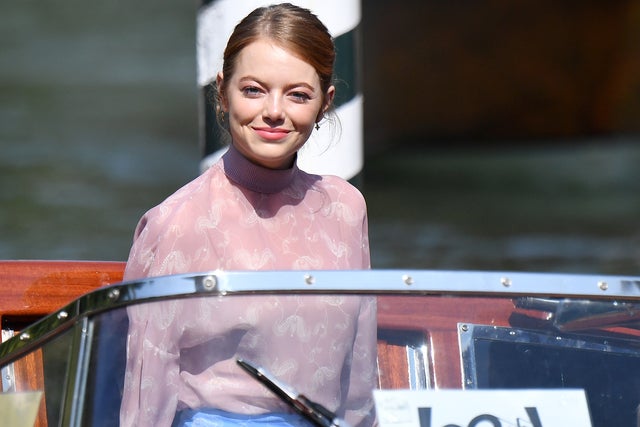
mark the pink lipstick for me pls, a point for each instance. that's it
(271, 134)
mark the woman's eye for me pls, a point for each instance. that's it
(300, 96)
(251, 91)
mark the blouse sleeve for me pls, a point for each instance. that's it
(149, 247)
(139, 257)
(162, 244)
(359, 408)
(366, 256)
(150, 395)
(151, 386)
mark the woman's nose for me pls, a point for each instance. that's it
(273, 107)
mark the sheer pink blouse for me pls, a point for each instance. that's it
(240, 216)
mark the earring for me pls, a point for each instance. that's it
(221, 116)
(317, 126)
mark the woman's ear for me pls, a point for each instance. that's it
(221, 95)
(328, 100)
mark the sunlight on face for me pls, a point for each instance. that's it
(274, 100)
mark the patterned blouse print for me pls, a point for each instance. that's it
(241, 216)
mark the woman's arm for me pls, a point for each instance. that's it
(151, 383)
(363, 377)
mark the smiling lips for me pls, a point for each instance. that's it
(271, 134)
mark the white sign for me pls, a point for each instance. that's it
(482, 408)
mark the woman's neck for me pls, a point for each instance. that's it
(254, 177)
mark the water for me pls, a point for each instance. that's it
(98, 122)
(571, 209)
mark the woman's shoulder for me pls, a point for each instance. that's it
(339, 183)
(190, 195)
(337, 188)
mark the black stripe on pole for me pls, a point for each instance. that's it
(204, 3)
(347, 67)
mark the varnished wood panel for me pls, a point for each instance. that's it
(33, 289)
(437, 318)
(36, 288)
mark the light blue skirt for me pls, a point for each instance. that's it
(209, 417)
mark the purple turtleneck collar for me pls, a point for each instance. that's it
(254, 177)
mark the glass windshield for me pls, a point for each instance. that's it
(154, 362)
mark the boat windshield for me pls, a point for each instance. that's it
(139, 353)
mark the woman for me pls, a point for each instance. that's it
(255, 210)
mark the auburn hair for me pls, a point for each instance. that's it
(291, 27)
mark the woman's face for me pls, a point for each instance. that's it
(274, 100)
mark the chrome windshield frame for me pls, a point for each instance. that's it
(419, 282)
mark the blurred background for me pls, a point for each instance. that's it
(499, 135)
